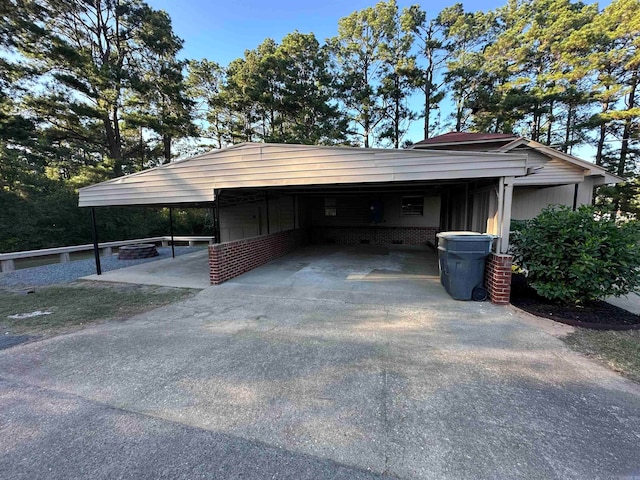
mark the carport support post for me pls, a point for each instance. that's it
(96, 249)
(506, 214)
(295, 210)
(267, 209)
(497, 229)
(216, 214)
(173, 251)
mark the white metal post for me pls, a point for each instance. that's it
(506, 214)
(498, 225)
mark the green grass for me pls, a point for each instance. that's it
(78, 304)
(619, 350)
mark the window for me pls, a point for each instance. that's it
(413, 206)
(330, 209)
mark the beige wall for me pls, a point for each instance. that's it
(529, 201)
(354, 211)
(250, 219)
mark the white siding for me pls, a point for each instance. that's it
(250, 219)
(529, 202)
(266, 165)
(585, 191)
(553, 172)
(240, 221)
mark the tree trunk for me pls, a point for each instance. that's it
(365, 107)
(427, 102)
(628, 125)
(113, 144)
(141, 151)
(550, 123)
(459, 106)
(397, 120)
(166, 144)
(535, 134)
(366, 129)
(567, 130)
(601, 138)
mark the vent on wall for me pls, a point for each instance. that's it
(397, 242)
(365, 241)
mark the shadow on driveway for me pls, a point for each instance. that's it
(303, 369)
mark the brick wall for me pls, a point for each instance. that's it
(230, 259)
(497, 278)
(378, 235)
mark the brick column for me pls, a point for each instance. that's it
(497, 277)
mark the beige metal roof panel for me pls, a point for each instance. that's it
(267, 165)
(554, 172)
(591, 168)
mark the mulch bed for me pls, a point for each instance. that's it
(595, 315)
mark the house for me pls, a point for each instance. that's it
(555, 178)
(270, 198)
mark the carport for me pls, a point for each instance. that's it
(270, 199)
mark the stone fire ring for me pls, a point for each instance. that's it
(135, 252)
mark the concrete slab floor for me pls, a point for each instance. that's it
(185, 271)
(303, 371)
(630, 302)
(402, 270)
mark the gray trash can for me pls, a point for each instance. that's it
(461, 256)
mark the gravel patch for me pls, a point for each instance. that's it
(71, 271)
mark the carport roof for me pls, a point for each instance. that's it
(260, 165)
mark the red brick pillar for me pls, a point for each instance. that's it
(497, 277)
(216, 256)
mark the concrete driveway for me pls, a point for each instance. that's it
(315, 366)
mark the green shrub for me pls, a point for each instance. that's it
(579, 256)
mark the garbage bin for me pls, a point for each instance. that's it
(461, 256)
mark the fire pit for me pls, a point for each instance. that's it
(135, 252)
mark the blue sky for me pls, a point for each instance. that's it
(222, 31)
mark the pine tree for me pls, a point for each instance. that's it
(358, 56)
(433, 51)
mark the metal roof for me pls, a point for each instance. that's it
(256, 165)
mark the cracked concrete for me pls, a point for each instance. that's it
(328, 363)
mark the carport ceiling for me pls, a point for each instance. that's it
(434, 187)
(247, 195)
